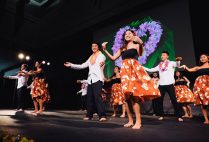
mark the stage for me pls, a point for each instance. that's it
(66, 126)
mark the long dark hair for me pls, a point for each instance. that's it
(114, 74)
(180, 75)
(124, 46)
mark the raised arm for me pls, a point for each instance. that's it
(112, 57)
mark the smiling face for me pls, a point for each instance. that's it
(203, 58)
(128, 35)
(155, 74)
(94, 47)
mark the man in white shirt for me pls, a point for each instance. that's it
(22, 78)
(166, 71)
(83, 91)
(95, 80)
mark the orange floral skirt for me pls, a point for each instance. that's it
(184, 94)
(201, 90)
(117, 96)
(136, 82)
(39, 90)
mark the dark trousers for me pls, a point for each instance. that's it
(21, 97)
(94, 100)
(155, 106)
(84, 102)
(171, 92)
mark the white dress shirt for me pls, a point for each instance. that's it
(22, 80)
(167, 76)
(96, 72)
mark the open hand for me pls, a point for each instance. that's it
(104, 45)
(67, 64)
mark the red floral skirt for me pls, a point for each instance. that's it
(136, 82)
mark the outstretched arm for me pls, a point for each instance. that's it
(76, 66)
(194, 69)
(152, 69)
(112, 57)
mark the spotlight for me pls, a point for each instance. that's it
(27, 58)
(21, 56)
(43, 62)
(48, 63)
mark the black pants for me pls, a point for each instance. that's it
(21, 97)
(155, 106)
(94, 100)
(84, 102)
(171, 92)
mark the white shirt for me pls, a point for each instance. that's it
(95, 70)
(22, 80)
(166, 76)
(84, 87)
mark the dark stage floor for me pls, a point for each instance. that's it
(68, 126)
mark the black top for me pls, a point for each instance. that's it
(204, 71)
(180, 83)
(116, 80)
(129, 54)
(40, 75)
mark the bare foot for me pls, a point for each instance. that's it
(123, 116)
(185, 116)
(190, 116)
(39, 112)
(128, 125)
(113, 115)
(34, 111)
(206, 122)
(136, 126)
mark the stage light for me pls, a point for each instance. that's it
(43, 62)
(27, 58)
(21, 56)
(48, 63)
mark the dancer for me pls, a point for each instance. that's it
(183, 94)
(136, 83)
(201, 85)
(166, 70)
(155, 105)
(83, 91)
(39, 89)
(22, 78)
(117, 97)
(95, 82)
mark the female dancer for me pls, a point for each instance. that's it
(136, 83)
(39, 89)
(117, 97)
(201, 85)
(183, 94)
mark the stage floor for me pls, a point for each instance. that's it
(68, 126)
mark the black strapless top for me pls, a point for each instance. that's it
(204, 71)
(181, 83)
(129, 54)
(40, 75)
(116, 80)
